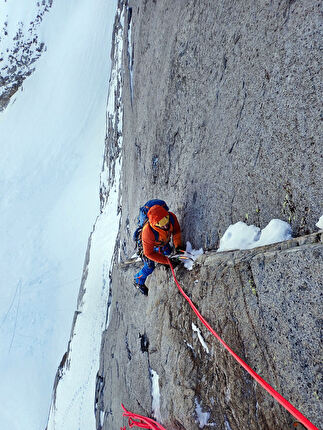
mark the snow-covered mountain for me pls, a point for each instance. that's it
(52, 140)
(21, 43)
(212, 107)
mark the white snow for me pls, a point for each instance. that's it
(52, 144)
(202, 417)
(73, 406)
(243, 236)
(189, 345)
(17, 16)
(155, 394)
(198, 331)
(191, 255)
(227, 394)
(135, 257)
(101, 418)
(319, 224)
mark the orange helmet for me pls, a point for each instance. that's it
(158, 216)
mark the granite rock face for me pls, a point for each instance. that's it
(224, 117)
(221, 105)
(264, 303)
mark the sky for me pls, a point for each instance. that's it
(52, 142)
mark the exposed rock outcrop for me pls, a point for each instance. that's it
(264, 303)
(17, 56)
(221, 104)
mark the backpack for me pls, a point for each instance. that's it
(142, 220)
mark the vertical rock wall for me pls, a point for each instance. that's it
(265, 303)
(224, 118)
(221, 103)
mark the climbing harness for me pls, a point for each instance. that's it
(135, 420)
(288, 406)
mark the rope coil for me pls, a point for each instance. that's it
(136, 420)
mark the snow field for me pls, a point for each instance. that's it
(73, 408)
(52, 144)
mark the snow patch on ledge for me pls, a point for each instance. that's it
(130, 53)
(101, 418)
(243, 236)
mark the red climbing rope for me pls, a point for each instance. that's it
(295, 412)
(135, 420)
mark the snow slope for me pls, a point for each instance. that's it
(73, 401)
(20, 42)
(52, 143)
(73, 397)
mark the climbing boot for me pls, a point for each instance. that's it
(142, 288)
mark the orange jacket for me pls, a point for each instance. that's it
(149, 242)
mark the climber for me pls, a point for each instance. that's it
(155, 235)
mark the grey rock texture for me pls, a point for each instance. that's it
(225, 113)
(221, 119)
(265, 304)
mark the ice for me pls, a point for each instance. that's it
(227, 424)
(189, 345)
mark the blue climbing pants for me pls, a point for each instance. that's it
(149, 265)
